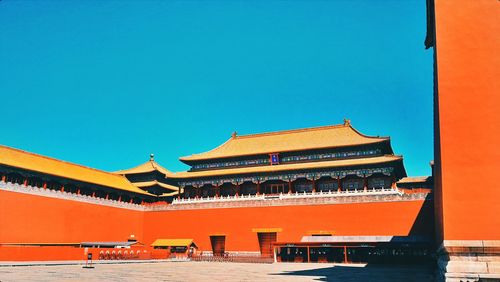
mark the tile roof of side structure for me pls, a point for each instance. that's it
(285, 141)
(286, 167)
(156, 183)
(45, 165)
(415, 179)
(146, 167)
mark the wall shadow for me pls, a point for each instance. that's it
(370, 272)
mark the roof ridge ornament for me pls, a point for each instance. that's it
(347, 122)
(234, 134)
(151, 157)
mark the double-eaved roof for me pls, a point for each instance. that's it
(286, 167)
(287, 141)
(33, 162)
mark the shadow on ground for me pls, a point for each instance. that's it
(367, 273)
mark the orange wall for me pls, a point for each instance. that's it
(34, 219)
(17, 253)
(388, 218)
(468, 74)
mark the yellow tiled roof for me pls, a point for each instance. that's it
(286, 167)
(290, 140)
(146, 167)
(172, 243)
(34, 162)
(414, 179)
(267, 230)
(153, 183)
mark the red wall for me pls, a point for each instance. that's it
(468, 119)
(34, 219)
(52, 253)
(387, 218)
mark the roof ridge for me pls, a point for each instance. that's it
(61, 161)
(290, 131)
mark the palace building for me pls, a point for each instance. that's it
(325, 194)
(322, 194)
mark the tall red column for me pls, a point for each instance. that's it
(393, 182)
(345, 254)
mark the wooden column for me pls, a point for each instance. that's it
(308, 254)
(44, 185)
(258, 188)
(345, 254)
(93, 194)
(314, 185)
(339, 184)
(107, 196)
(365, 183)
(217, 191)
(198, 192)
(131, 200)
(393, 184)
(120, 198)
(289, 186)
(4, 177)
(237, 190)
(62, 188)
(25, 182)
(78, 191)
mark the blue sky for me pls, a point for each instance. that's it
(106, 83)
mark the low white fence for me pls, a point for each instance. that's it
(296, 195)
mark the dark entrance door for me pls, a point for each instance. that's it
(218, 245)
(274, 189)
(266, 239)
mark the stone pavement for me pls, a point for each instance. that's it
(216, 271)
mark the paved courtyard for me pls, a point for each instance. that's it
(213, 271)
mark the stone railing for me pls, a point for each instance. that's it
(218, 199)
(14, 187)
(296, 195)
(318, 198)
(263, 200)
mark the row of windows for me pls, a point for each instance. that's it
(300, 187)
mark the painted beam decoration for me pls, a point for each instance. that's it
(287, 176)
(289, 159)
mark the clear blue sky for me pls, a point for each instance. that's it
(105, 83)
